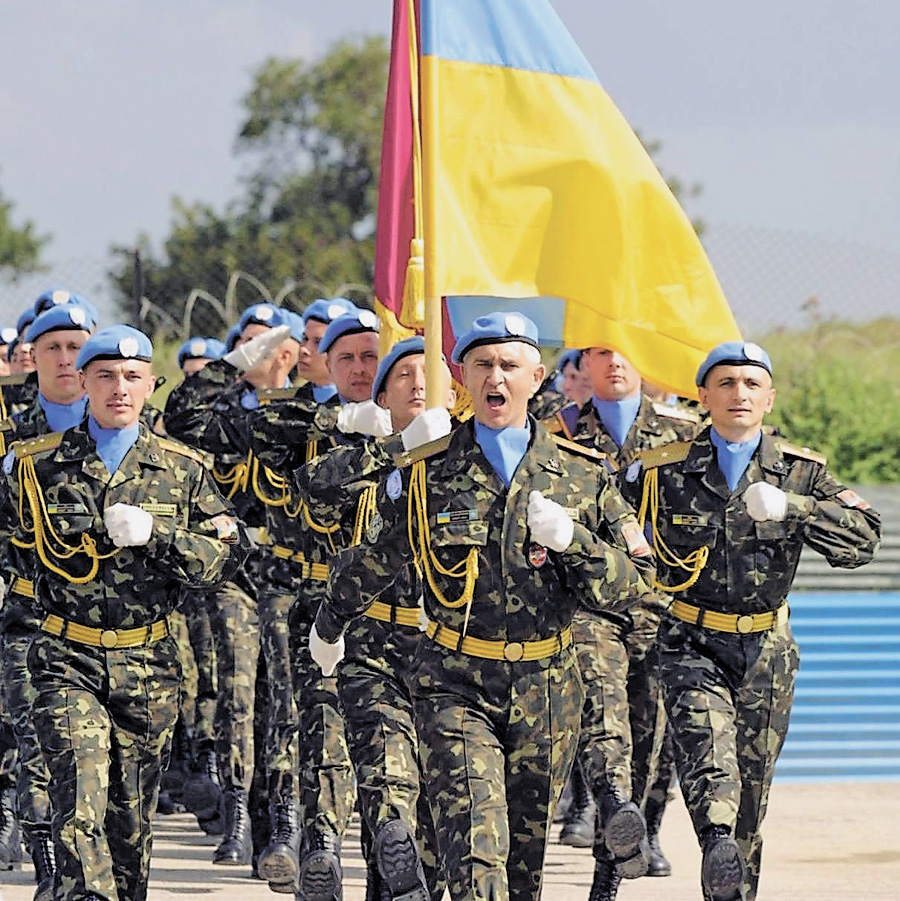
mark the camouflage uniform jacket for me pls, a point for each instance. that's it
(522, 592)
(752, 564)
(196, 541)
(17, 392)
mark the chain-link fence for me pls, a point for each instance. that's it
(775, 280)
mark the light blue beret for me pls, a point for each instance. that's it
(231, 337)
(59, 296)
(25, 320)
(295, 322)
(573, 356)
(200, 349)
(327, 310)
(734, 353)
(261, 314)
(496, 328)
(353, 323)
(66, 317)
(405, 348)
(115, 342)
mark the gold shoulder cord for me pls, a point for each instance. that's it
(43, 530)
(273, 479)
(233, 479)
(365, 510)
(693, 563)
(425, 559)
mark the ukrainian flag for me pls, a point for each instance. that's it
(535, 186)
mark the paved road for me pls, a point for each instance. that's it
(824, 842)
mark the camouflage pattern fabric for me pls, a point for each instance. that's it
(728, 695)
(203, 651)
(105, 764)
(17, 393)
(496, 738)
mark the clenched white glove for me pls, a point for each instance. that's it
(365, 418)
(127, 525)
(427, 426)
(250, 355)
(765, 502)
(550, 525)
(327, 655)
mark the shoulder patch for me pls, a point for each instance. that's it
(431, 449)
(667, 453)
(804, 453)
(589, 452)
(177, 447)
(39, 445)
(675, 412)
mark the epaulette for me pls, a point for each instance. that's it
(13, 379)
(37, 445)
(804, 453)
(430, 449)
(177, 447)
(675, 412)
(666, 453)
(270, 394)
(8, 424)
(589, 452)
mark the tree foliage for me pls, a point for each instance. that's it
(20, 246)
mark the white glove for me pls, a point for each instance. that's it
(550, 525)
(248, 356)
(427, 426)
(365, 418)
(127, 526)
(765, 502)
(328, 656)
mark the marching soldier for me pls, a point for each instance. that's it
(512, 529)
(730, 512)
(116, 518)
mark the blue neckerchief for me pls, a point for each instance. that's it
(250, 399)
(322, 393)
(618, 416)
(62, 416)
(734, 456)
(504, 448)
(112, 444)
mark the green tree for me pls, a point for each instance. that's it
(20, 246)
(304, 226)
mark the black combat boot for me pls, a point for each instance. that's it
(399, 864)
(606, 881)
(10, 836)
(237, 848)
(43, 855)
(624, 834)
(320, 869)
(581, 820)
(201, 792)
(659, 864)
(279, 863)
(723, 871)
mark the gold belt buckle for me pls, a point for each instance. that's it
(514, 651)
(109, 639)
(745, 624)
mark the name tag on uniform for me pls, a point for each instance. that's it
(160, 509)
(688, 519)
(66, 509)
(452, 516)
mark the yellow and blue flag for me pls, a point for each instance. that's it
(534, 186)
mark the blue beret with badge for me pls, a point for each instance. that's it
(200, 349)
(66, 317)
(115, 342)
(353, 323)
(496, 328)
(734, 353)
(405, 348)
(25, 320)
(326, 311)
(7, 335)
(57, 297)
(261, 314)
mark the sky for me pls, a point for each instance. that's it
(788, 113)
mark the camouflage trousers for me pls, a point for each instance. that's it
(31, 775)
(104, 720)
(728, 699)
(374, 690)
(234, 620)
(203, 653)
(497, 741)
(279, 757)
(327, 790)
